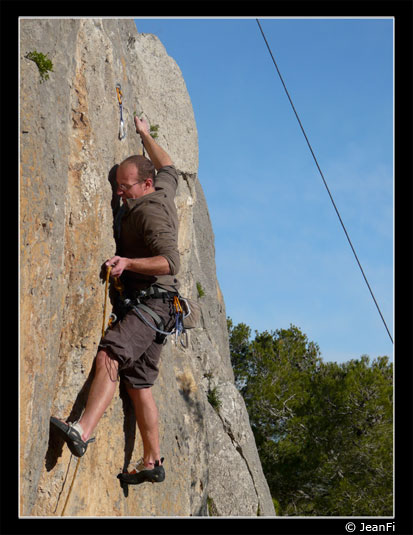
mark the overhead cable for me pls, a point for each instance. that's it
(322, 176)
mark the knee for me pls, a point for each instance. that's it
(140, 394)
(104, 361)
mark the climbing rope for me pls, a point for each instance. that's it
(322, 176)
(106, 299)
(119, 287)
(71, 486)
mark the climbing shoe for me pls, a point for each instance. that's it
(71, 433)
(141, 474)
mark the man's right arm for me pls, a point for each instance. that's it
(157, 155)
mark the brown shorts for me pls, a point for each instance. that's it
(134, 344)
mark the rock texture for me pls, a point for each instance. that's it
(69, 148)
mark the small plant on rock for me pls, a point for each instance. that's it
(153, 128)
(201, 291)
(44, 64)
(213, 396)
(214, 399)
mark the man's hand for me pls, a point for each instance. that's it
(119, 264)
(142, 126)
(156, 154)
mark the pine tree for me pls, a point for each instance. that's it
(323, 430)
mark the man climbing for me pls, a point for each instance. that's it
(146, 263)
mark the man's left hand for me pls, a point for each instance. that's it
(119, 264)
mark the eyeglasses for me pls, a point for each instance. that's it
(126, 187)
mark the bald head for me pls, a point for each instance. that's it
(144, 167)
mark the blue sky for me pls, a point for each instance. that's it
(282, 256)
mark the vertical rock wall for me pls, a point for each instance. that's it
(69, 148)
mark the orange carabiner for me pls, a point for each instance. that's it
(119, 93)
(177, 304)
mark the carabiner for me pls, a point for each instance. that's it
(119, 93)
(112, 319)
(185, 346)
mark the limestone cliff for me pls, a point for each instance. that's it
(69, 149)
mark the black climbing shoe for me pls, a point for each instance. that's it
(142, 474)
(72, 436)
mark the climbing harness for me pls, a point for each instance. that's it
(135, 300)
(122, 131)
(182, 310)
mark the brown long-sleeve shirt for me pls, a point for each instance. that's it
(149, 227)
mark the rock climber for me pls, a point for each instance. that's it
(146, 262)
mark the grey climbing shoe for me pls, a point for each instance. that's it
(141, 474)
(72, 436)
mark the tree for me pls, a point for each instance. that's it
(323, 430)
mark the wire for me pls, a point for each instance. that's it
(322, 176)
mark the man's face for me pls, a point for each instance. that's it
(127, 177)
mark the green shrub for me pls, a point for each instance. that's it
(153, 130)
(214, 399)
(201, 291)
(44, 64)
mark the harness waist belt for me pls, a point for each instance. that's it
(156, 292)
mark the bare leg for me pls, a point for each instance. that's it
(146, 414)
(101, 392)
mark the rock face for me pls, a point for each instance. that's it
(69, 147)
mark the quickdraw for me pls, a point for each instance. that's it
(122, 131)
(179, 323)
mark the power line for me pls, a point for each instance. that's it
(322, 176)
